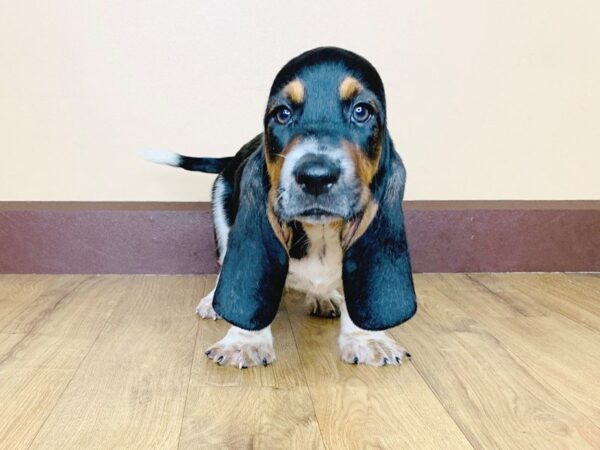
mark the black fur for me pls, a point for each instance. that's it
(232, 175)
(256, 264)
(207, 165)
(299, 245)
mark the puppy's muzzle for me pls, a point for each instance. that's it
(316, 174)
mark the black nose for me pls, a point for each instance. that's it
(316, 174)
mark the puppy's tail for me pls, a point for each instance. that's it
(208, 165)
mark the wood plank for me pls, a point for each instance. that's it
(130, 390)
(366, 407)
(249, 417)
(531, 358)
(19, 292)
(588, 285)
(561, 351)
(37, 365)
(570, 296)
(564, 356)
(590, 281)
(261, 407)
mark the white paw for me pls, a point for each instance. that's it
(243, 349)
(325, 306)
(373, 348)
(205, 308)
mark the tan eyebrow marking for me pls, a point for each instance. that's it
(294, 91)
(349, 87)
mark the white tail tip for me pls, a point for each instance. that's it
(161, 157)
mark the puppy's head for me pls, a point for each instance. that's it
(324, 130)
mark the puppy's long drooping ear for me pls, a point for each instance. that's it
(377, 276)
(256, 264)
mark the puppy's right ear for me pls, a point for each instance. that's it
(256, 264)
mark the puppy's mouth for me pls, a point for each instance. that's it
(317, 215)
(315, 212)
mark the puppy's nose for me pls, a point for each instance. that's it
(316, 174)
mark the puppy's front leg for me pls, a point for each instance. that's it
(243, 348)
(373, 348)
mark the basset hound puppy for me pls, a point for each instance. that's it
(313, 203)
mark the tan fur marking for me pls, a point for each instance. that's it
(274, 165)
(366, 168)
(275, 162)
(351, 233)
(294, 91)
(349, 87)
(281, 230)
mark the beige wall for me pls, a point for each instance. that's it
(487, 99)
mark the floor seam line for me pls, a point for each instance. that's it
(437, 397)
(77, 286)
(551, 311)
(74, 372)
(187, 391)
(312, 402)
(539, 378)
(532, 370)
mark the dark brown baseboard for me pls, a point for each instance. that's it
(177, 238)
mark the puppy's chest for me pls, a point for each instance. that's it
(316, 260)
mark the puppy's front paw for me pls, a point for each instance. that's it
(205, 308)
(243, 349)
(325, 306)
(371, 348)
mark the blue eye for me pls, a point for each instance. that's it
(283, 115)
(361, 112)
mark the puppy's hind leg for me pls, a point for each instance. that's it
(324, 305)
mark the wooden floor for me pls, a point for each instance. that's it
(499, 361)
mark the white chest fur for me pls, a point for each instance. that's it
(320, 271)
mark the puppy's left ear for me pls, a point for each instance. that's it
(377, 276)
(256, 264)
